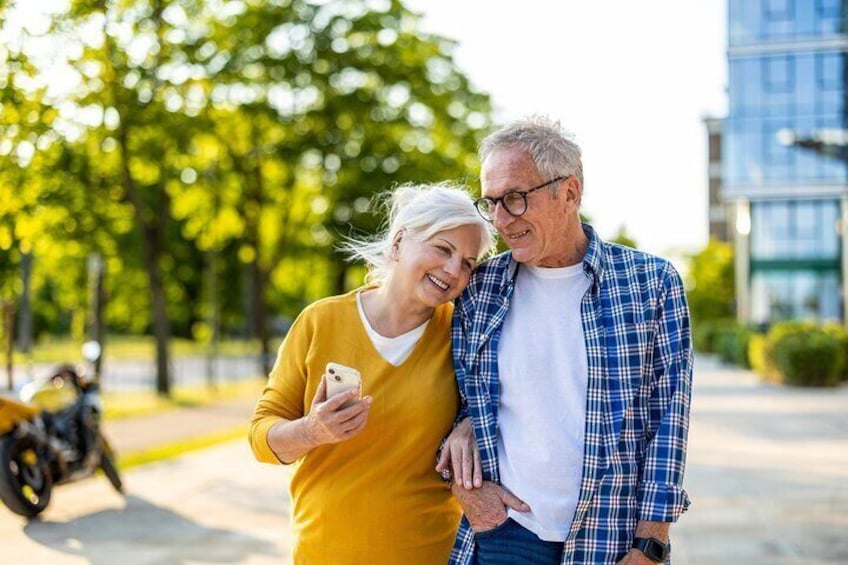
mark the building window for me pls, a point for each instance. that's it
(828, 8)
(778, 74)
(830, 71)
(802, 230)
(784, 295)
(778, 10)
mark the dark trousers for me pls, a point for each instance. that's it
(512, 544)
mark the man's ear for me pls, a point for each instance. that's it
(573, 190)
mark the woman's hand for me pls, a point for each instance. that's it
(460, 451)
(327, 422)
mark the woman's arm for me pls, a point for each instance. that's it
(327, 422)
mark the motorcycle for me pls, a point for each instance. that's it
(51, 436)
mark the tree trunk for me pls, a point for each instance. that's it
(8, 310)
(260, 315)
(25, 317)
(161, 325)
(151, 242)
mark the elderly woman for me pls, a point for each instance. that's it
(364, 489)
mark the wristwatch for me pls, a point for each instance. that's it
(654, 549)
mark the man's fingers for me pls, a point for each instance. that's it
(513, 501)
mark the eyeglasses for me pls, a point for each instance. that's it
(514, 201)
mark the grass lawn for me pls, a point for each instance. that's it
(67, 350)
(139, 403)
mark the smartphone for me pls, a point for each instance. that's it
(341, 378)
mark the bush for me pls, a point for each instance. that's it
(725, 338)
(804, 354)
(839, 333)
(760, 358)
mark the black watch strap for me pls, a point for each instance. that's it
(654, 549)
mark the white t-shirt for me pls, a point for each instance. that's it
(543, 385)
(395, 350)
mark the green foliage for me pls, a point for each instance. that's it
(802, 353)
(623, 238)
(725, 338)
(761, 358)
(226, 147)
(710, 283)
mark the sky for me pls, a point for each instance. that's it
(631, 80)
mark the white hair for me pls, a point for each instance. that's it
(420, 211)
(552, 148)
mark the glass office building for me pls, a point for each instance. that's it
(785, 157)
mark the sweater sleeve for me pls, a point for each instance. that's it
(284, 395)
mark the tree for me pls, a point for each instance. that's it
(624, 238)
(235, 139)
(711, 283)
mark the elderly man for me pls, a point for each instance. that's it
(573, 358)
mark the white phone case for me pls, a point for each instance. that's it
(341, 378)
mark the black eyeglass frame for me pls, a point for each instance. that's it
(493, 202)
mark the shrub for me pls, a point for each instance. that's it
(760, 358)
(805, 355)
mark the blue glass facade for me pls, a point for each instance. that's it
(787, 83)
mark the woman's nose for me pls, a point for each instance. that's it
(453, 265)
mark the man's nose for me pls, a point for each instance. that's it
(501, 217)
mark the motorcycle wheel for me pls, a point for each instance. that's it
(107, 463)
(25, 480)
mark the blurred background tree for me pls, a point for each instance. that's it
(212, 153)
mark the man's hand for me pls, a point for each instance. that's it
(328, 422)
(460, 452)
(485, 507)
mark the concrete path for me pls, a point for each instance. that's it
(128, 435)
(767, 473)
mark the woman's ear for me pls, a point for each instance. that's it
(396, 245)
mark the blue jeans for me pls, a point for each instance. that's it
(512, 544)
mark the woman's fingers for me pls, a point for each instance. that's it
(456, 463)
(444, 458)
(478, 467)
(321, 393)
(467, 464)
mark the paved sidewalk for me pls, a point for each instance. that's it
(139, 433)
(766, 472)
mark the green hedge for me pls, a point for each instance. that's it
(801, 353)
(725, 338)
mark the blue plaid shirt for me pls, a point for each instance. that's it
(638, 343)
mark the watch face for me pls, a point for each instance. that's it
(656, 550)
(653, 549)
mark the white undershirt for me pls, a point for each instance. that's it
(395, 350)
(543, 381)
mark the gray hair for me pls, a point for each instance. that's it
(420, 211)
(552, 148)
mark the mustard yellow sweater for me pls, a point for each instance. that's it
(375, 498)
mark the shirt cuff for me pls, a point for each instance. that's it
(660, 502)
